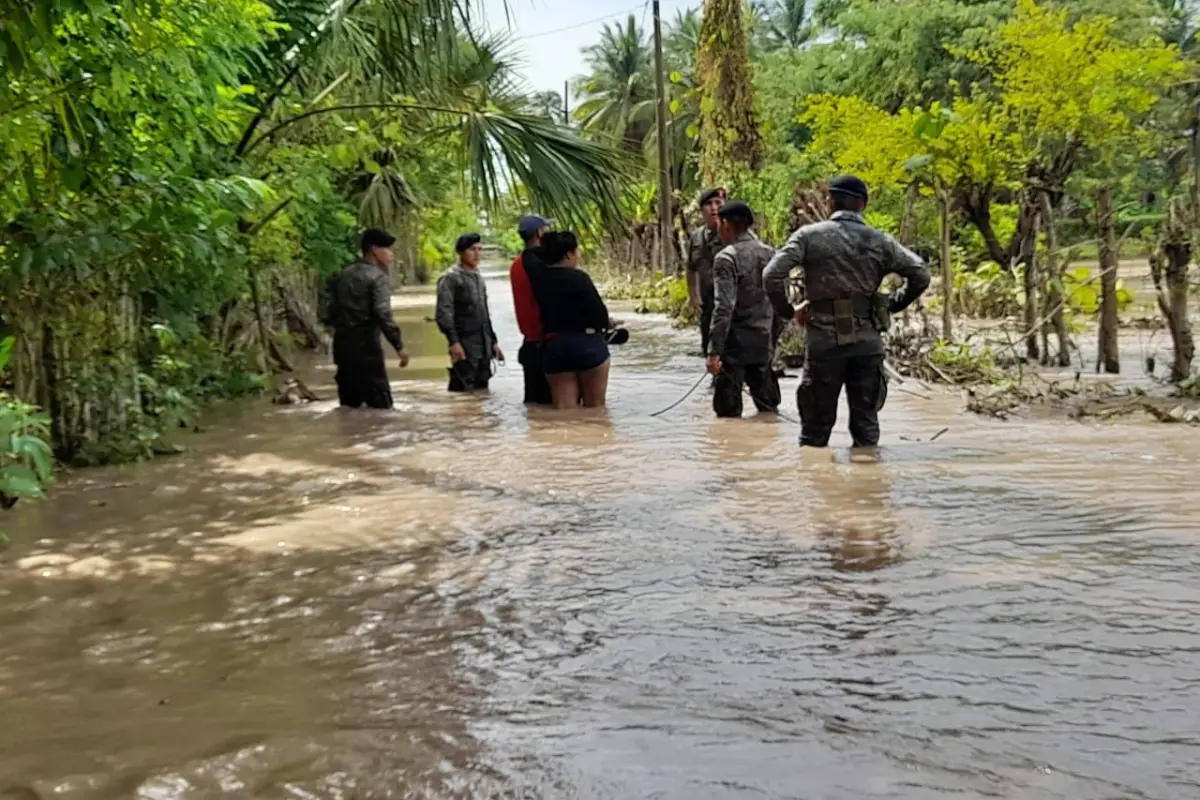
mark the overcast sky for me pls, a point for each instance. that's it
(549, 34)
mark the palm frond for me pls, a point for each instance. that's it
(575, 179)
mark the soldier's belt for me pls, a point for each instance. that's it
(859, 305)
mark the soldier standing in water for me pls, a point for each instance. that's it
(703, 246)
(742, 337)
(465, 320)
(359, 311)
(844, 262)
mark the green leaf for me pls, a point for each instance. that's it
(917, 163)
(6, 349)
(17, 480)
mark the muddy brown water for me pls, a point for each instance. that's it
(467, 599)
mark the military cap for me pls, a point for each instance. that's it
(737, 211)
(709, 195)
(849, 186)
(373, 237)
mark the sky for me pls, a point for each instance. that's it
(549, 34)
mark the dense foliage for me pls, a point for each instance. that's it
(179, 176)
(1014, 134)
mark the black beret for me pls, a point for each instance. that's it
(737, 211)
(376, 238)
(711, 194)
(849, 186)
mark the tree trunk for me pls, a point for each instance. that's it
(268, 343)
(1108, 357)
(1028, 259)
(977, 204)
(908, 220)
(1054, 293)
(947, 272)
(1168, 266)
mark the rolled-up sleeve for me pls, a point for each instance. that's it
(779, 269)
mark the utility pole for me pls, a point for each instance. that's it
(665, 249)
(566, 104)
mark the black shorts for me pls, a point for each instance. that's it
(574, 352)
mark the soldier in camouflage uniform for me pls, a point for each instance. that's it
(359, 311)
(703, 246)
(844, 262)
(741, 341)
(465, 320)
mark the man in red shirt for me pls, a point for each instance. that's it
(529, 319)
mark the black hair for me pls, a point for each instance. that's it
(846, 202)
(466, 242)
(556, 245)
(376, 238)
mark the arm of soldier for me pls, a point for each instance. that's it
(444, 316)
(907, 265)
(724, 302)
(381, 307)
(330, 316)
(775, 277)
(693, 272)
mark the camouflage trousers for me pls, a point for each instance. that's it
(825, 373)
(758, 378)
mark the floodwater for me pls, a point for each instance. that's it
(465, 599)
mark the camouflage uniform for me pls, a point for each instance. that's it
(703, 246)
(742, 332)
(359, 310)
(464, 319)
(844, 262)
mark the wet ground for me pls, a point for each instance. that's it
(467, 599)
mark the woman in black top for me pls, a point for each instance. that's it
(574, 318)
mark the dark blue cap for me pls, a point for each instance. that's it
(530, 224)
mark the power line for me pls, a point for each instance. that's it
(613, 15)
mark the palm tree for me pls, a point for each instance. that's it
(420, 61)
(618, 92)
(785, 23)
(547, 104)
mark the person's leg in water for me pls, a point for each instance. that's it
(363, 382)
(727, 391)
(764, 387)
(537, 388)
(593, 385)
(564, 388)
(866, 393)
(817, 397)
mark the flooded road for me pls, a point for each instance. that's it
(466, 599)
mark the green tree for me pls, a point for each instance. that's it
(618, 92)
(785, 23)
(730, 141)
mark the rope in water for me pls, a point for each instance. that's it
(679, 402)
(696, 386)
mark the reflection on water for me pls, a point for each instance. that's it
(465, 598)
